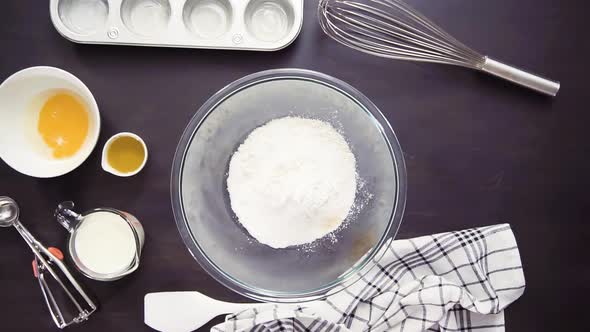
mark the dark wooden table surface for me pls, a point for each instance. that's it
(479, 151)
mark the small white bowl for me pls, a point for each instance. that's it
(20, 101)
(105, 164)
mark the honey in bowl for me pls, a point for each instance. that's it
(125, 154)
(63, 124)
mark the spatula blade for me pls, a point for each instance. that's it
(176, 311)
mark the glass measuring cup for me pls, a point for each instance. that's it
(85, 252)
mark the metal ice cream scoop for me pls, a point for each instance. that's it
(45, 262)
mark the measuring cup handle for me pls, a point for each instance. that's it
(66, 216)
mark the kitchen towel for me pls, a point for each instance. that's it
(455, 281)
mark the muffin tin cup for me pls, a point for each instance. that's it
(261, 25)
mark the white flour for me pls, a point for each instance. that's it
(292, 181)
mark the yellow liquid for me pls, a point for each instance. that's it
(63, 124)
(125, 154)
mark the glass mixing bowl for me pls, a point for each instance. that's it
(201, 204)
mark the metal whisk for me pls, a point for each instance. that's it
(393, 29)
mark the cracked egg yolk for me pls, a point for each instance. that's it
(63, 124)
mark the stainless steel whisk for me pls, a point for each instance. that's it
(393, 29)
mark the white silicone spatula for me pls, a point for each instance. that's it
(185, 311)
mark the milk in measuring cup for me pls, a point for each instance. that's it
(105, 243)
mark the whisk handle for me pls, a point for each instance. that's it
(520, 77)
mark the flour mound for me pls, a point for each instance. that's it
(292, 181)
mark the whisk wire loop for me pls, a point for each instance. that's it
(388, 29)
(392, 29)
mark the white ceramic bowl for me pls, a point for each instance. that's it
(21, 97)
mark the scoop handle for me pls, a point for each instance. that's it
(520, 77)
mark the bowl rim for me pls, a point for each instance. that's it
(357, 270)
(93, 110)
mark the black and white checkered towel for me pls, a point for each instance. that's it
(456, 281)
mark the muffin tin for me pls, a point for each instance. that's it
(262, 25)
